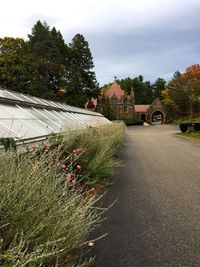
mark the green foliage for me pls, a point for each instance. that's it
(158, 87)
(8, 143)
(107, 109)
(190, 127)
(183, 127)
(46, 66)
(191, 135)
(195, 118)
(41, 223)
(101, 145)
(129, 121)
(80, 77)
(11, 60)
(182, 95)
(144, 91)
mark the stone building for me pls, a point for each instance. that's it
(121, 103)
(123, 106)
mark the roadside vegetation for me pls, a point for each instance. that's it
(47, 206)
(188, 119)
(190, 135)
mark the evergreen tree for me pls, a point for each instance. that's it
(158, 87)
(44, 55)
(81, 80)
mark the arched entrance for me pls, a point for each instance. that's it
(157, 117)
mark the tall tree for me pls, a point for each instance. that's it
(182, 93)
(158, 87)
(81, 79)
(44, 55)
(12, 58)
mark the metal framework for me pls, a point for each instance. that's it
(26, 117)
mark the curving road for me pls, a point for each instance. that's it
(156, 220)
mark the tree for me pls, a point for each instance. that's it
(158, 87)
(182, 94)
(81, 80)
(191, 81)
(45, 59)
(12, 59)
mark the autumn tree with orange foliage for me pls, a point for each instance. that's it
(182, 94)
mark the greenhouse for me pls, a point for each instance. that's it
(26, 117)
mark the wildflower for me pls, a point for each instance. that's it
(33, 146)
(69, 177)
(47, 145)
(63, 166)
(78, 167)
(74, 182)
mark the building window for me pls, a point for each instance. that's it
(125, 109)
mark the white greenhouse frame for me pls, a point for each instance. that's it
(25, 118)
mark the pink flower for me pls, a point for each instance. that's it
(63, 166)
(68, 177)
(33, 146)
(47, 145)
(74, 181)
(78, 167)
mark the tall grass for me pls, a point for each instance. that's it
(40, 222)
(43, 222)
(101, 145)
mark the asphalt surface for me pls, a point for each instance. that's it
(156, 220)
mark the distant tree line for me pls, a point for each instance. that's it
(180, 96)
(46, 66)
(144, 91)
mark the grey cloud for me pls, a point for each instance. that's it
(167, 44)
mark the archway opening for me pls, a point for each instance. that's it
(143, 117)
(157, 117)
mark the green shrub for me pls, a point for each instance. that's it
(41, 223)
(183, 127)
(190, 127)
(130, 122)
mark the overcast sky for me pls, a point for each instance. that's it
(153, 38)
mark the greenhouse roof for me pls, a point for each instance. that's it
(25, 117)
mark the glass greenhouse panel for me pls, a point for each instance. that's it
(68, 123)
(6, 94)
(4, 132)
(21, 129)
(28, 119)
(39, 114)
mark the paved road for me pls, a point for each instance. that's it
(156, 220)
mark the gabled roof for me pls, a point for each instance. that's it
(115, 90)
(141, 108)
